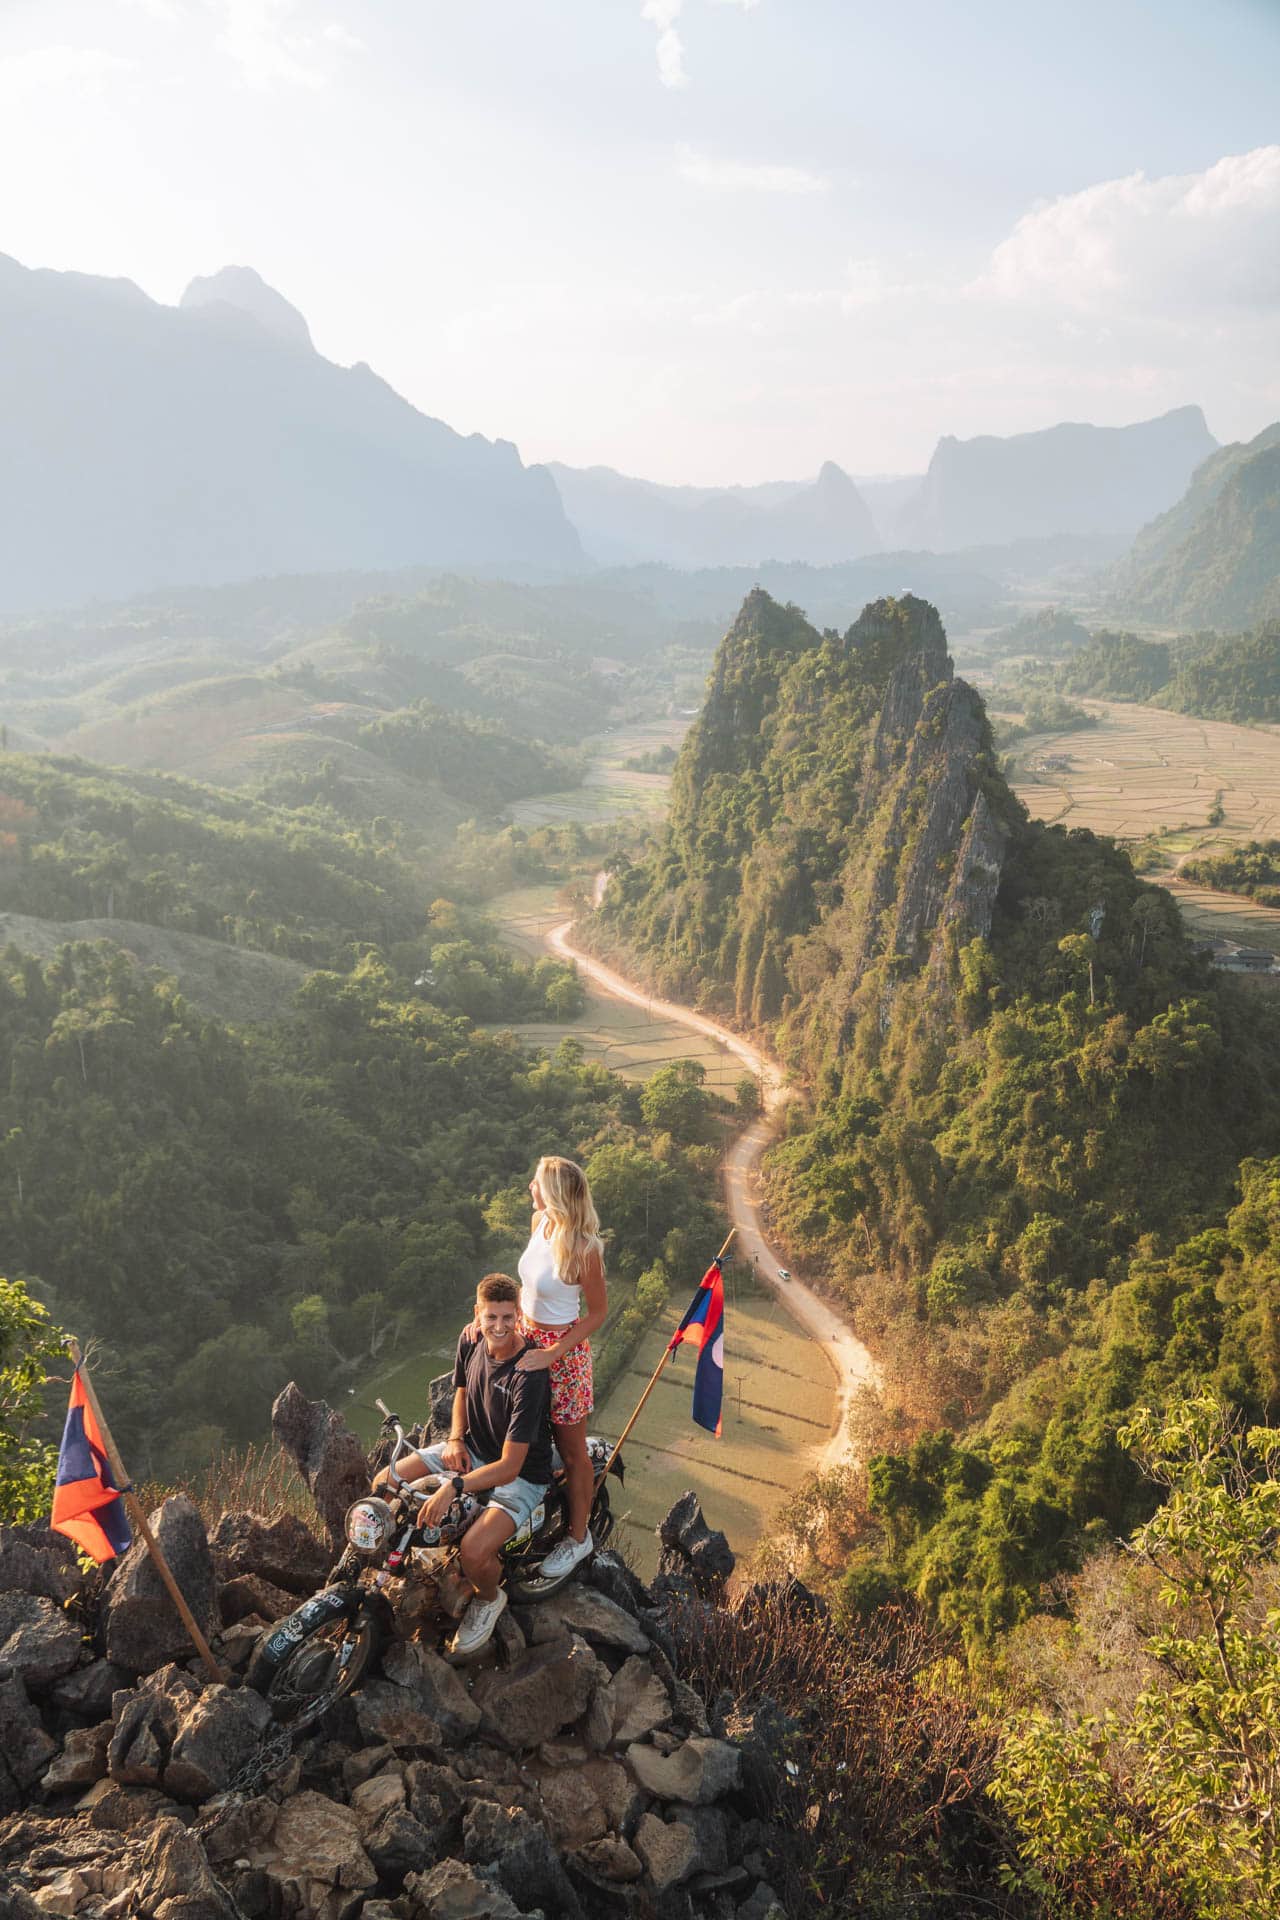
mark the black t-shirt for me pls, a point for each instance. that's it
(505, 1404)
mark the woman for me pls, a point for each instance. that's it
(562, 1302)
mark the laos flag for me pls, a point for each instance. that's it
(703, 1327)
(86, 1503)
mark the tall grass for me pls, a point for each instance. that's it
(241, 1479)
(881, 1788)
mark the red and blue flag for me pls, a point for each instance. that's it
(87, 1506)
(703, 1327)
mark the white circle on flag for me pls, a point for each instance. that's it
(717, 1351)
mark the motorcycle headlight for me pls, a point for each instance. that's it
(369, 1525)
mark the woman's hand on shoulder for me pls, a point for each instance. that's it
(535, 1360)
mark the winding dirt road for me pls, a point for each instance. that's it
(849, 1360)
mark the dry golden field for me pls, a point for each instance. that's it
(1144, 772)
(778, 1399)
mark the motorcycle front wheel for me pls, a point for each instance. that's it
(316, 1657)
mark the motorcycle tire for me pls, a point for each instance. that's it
(316, 1656)
(524, 1583)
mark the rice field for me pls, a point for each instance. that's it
(1143, 772)
(626, 1039)
(778, 1401)
(610, 790)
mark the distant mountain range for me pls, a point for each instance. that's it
(623, 521)
(1213, 560)
(149, 446)
(1105, 482)
(1065, 493)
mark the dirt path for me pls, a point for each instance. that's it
(850, 1361)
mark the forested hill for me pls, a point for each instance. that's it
(1018, 1076)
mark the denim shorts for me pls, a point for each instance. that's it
(518, 1498)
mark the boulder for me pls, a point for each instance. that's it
(571, 1811)
(516, 1851)
(88, 1691)
(142, 1629)
(699, 1771)
(637, 1701)
(600, 1621)
(283, 1551)
(669, 1853)
(547, 1688)
(454, 1891)
(434, 1687)
(691, 1546)
(219, 1734)
(25, 1748)
(176, 1882)
(610, 1575)
(610, 1858)
(249, 1594)
(141, 1741)
(388, 1716)
(35, 1559)
(376, 1796)
(710, 1829)
(435, 1800)
(314, 1858)
(326, 1453)
(398, 1846)
(111, 1808)
(37, 1639)
(83, 1759)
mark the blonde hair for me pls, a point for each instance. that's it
(575, 1226)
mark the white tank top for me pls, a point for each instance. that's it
(544, 1296)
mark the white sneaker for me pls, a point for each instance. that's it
(564, 1558)
(475, 1629)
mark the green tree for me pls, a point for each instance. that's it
(30, 1347)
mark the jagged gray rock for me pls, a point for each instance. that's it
(452, 1890)
(141, 1626)
(87, 1692)
(218, 1734)
(37, 1639)
(34, 1559)
(435, 1688)
(549, 1687)
(83, 1759)
(516, 1851)
(699, 1770)
(579, 1609)
(25, 1748)
(326, 1453)
(637, 1702)
(283, 1550)
(669, 1852)
(691, 1546)
(176, 1882)
(313, 1856)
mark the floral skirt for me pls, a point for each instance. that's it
(571, 1396)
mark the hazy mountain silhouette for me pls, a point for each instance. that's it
(1101, 481)
(151, 445)
(624, 521)
(1213, 560)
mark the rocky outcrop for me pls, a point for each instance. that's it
(570, 1773)
(141, 1627)
(326, 1453)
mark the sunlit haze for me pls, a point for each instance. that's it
(699, 240)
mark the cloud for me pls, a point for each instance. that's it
(273, 44)
(664, 14)
(45, 71)
(1180, 245)
(744, 176)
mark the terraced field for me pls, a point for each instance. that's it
(1144, 772)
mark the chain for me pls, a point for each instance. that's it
(272, 1753)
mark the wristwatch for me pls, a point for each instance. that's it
(456, 1484)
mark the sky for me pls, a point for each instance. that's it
(710, 241)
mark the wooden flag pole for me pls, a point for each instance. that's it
(666, 1355)
(133, 1506)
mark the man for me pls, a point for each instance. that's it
(499, 1440)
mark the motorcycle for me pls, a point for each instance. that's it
(399, 1579)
